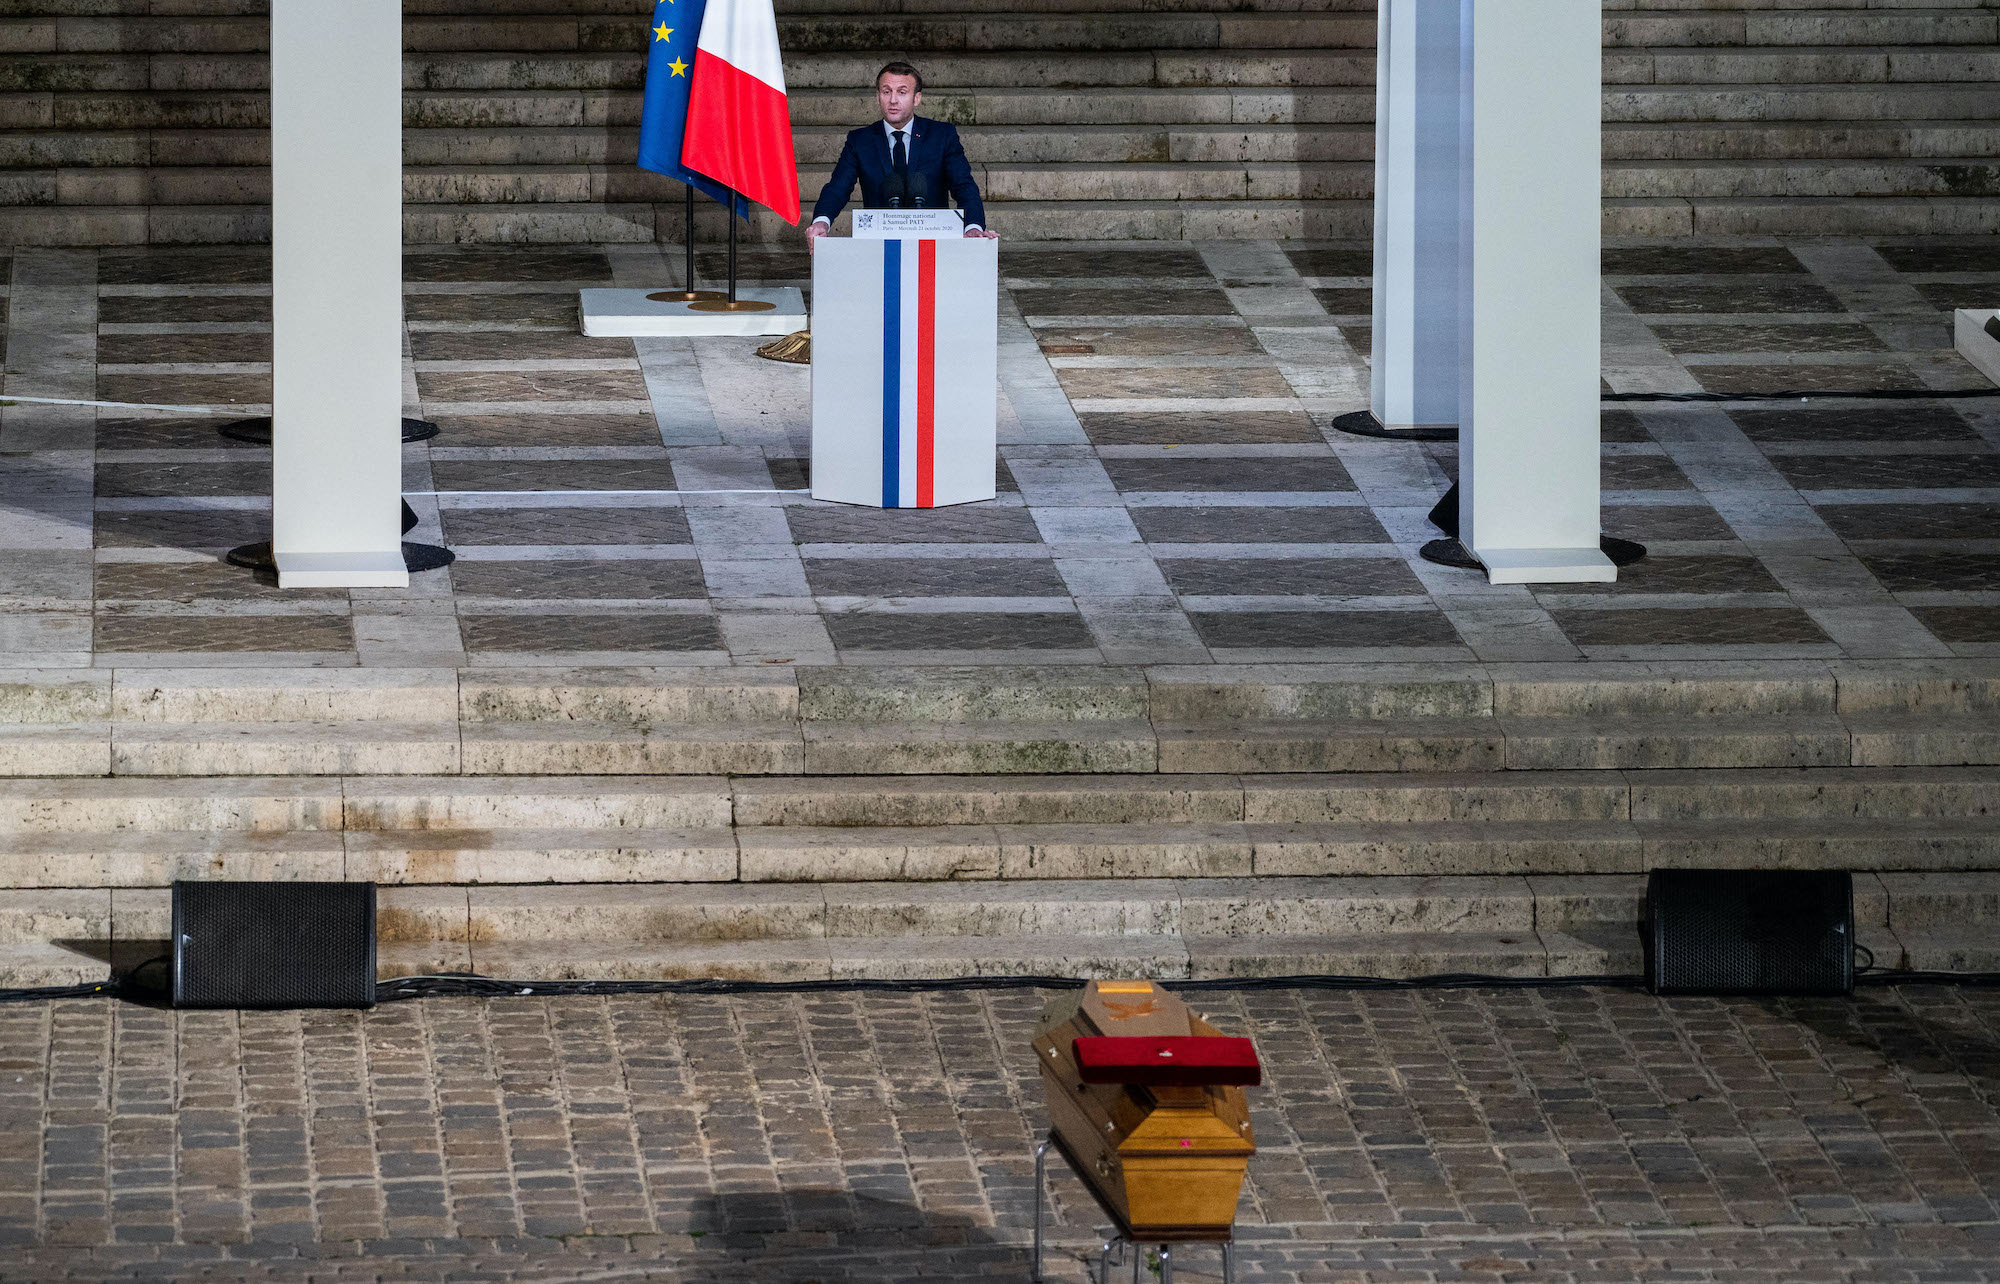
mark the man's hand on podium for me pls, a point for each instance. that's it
(982, 232)
(814, 230)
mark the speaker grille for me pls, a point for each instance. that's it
(1717, 931)
(274, 945)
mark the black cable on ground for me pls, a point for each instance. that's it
(473, 985)
(1871, 394)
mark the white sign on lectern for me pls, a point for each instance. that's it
(337, 294)
(896, 224)
(905, 371)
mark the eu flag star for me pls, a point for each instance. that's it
(677, 67)
(663, 32)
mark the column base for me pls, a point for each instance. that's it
(1363, 423)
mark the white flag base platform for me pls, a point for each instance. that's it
(1546, 566)
(1974, 344)
(616, 314)
(343, 570)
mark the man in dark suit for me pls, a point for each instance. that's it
(903, 160)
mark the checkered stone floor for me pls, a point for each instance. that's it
(1474, 1136)
(1170, 487)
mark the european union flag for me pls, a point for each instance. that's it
(670, 44)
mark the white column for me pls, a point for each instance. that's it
(1529, 277)
(1414, 374)
(336, 286)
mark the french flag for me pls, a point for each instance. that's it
(904, 371)
(739, 125)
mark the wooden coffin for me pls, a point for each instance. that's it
(1146, 1102)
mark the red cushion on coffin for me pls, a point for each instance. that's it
(1173, 1061)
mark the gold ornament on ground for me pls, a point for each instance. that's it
(795, 347)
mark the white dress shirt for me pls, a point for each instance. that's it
(909, 145)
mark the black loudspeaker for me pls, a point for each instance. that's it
(1723, 931)
(274, 945)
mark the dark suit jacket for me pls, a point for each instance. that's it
(937, 166)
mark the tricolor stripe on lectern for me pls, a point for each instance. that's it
(909, 374)
(739, 126)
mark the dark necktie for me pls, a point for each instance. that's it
(897, 156)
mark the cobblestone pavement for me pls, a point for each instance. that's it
(1171, 488)
(1573, 1134)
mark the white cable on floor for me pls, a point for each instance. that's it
(452, 493)
(122, 405)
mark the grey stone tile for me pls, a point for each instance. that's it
(1950, 257)
(171, 432)
(222, 633)
(553, 474)
(1148, 341)
(1644, 522)
(151, 309)
(207, 267)
(1749, 295)
(566, 525)
(1277, 629)
(531, 385)
(1707, 626)
(1769, 338)
(1123, 302)
(1244, 474)
(552, 309)
(1642, 472)
(1939, 571)
(1037, 264)
(1892, 421)
(1757, 379)
(191, 581)
(541, 430)
(1960, 624)
(1698, 260)
(1346, 302)
(1888, 472)
(150, 349)
(813, 524)
(1317, 576)
(1622, 426)
(507, 263)
(619, 631)
(1197, 428)
(1333, 261)
(577, 578)
(121, 480)
(1259, 525)
(958, 631)
(934, 577)
(203, 529)
(1949, 296)
(1679, 574)
(1912, 521)
(185, 389)
(1170, 382)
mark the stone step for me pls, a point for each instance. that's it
(177, 127)
(1005, 852)
(1394, 926)
(610, 186)
(930, 30)
(595, 223)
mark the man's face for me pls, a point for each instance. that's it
(899, 98)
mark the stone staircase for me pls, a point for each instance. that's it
(1091, 119)
(788, 824)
